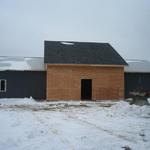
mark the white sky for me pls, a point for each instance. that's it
(25, 24)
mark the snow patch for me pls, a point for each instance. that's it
(67, 43)
(125, 109)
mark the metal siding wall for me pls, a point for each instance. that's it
(24, 84)
(134, 80)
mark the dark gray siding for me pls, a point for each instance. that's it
(22, 84)
(136, 80)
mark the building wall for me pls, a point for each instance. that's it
(64, 81)
(134, 81)
(22, 84)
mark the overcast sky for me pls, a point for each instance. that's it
(25, 24)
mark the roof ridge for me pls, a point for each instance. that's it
(94, 42)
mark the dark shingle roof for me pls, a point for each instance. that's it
(57, 52)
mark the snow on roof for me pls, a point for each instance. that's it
(37, 64)
(138, 66)
(67, 43)
(22, 63)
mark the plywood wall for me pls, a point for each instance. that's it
(64, 82)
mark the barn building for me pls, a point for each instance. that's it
(81, 70)
(68, 71)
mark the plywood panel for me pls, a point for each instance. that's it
(64, 82)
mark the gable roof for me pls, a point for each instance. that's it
(57, 52)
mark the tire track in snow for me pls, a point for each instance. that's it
(102, 129)
(54, 131)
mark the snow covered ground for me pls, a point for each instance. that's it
(29, 125)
